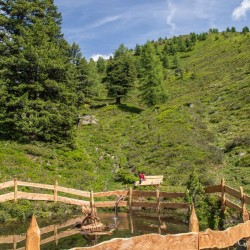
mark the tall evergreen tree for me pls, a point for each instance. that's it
(165, 60)
(88, 81)
(120, 75)
(101, 65)
(75, 53)
(37, 101)
(121, 51)
(153, 91)
(245, 30)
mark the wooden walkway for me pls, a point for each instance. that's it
(150, 180)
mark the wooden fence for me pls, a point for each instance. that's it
(208, 239)
(59, 231)
(241, 198)
(122, 198)
(194, 240)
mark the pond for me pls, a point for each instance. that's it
(63, 234)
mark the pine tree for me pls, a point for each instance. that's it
(176, 61)
(165, 60)
(137, 50)
(245, 30)
(88, 81)
(75, 53)
(153, 91)
(94, 80)
(38, 97)
(101, 65)
(120, 75)
(121, 51)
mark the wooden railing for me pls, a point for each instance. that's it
(130, 198)
(59, 231)
(127, 198)
(239, 196)
(64, 232)
(193, 240)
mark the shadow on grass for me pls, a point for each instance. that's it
(123, 107)
(98, 106)
(131, 109)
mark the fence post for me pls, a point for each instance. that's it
(55, 235)
(130, 198)
(193, 221)
(91, 200)
(131, 222)
(158, 200)
(245, 215)
(223, 196)
(33, 236)
(15, 190)
(14, 242)
(55, 191)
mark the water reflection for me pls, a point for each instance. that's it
(65, 235)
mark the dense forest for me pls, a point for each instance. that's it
(164, 107)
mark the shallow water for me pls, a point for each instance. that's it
(63, 235)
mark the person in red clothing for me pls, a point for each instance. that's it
(142, 177)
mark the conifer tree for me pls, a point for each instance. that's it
(88, 81)
(165, 60)
(153, 91)
(37, 87)
(120, 74)
(101, 65)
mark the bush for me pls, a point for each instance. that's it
(238, 141)
(207, 207)
(125, 176)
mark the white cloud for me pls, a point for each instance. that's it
(105, 20)
(171, 13)
(96, 56)
(241, 10)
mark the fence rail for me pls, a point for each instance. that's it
(193, 240)
(126, 197)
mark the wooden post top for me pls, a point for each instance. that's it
(193, 221)
(33, 236)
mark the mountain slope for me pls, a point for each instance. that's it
(204, 124)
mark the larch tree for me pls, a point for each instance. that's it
(120, 74)
(152, 77)
(88, 81)
(101, 65)
(37, 99)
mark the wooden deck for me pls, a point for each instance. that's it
(151, 180)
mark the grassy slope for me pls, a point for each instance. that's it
(205, 123)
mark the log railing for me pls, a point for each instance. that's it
(238, 195)
(130, 198)
(194, 240)
(127, 198)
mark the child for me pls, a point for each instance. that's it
(142, 177)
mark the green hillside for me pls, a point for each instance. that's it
(204, 124)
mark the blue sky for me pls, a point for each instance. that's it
(100, 26)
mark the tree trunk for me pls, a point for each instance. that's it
(118, 100)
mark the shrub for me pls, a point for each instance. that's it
(125, 176)
(207, 207)
(238, 141)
